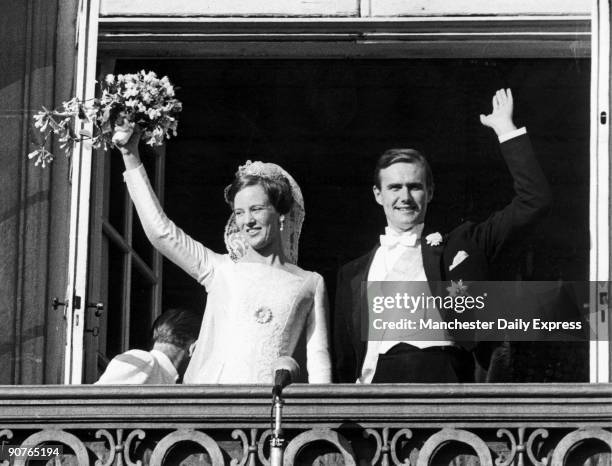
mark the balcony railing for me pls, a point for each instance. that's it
(498, 425)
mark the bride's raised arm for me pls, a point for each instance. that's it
(189, 254)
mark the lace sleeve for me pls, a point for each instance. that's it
(190, 255)
(317, 346)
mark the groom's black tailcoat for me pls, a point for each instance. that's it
(481, 241)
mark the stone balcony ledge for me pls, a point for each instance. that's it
(333, 424)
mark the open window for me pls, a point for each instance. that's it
(323, 98)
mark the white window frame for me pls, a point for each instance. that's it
(76, 297)
(600, 369)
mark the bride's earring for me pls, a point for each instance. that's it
(282, 223)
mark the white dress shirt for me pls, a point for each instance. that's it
(382, 269)
(139, 367)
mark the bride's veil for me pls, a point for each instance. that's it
(292, 226)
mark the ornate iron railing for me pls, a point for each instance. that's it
(498, 425)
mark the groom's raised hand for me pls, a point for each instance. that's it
(500, 118)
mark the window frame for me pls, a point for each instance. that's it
(510, 36)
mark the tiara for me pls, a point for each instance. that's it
(261, 169)
(269, 171)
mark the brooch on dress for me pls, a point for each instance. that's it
(263, 315)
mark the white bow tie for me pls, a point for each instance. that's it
(408, 239)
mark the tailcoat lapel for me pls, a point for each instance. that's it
(432, 261)
(359, 298)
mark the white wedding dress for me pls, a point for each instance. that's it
(254, 314)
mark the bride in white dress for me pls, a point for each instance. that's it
(259, 301)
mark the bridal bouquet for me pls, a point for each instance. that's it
(127, 100)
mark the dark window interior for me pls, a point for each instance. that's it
(326, 121)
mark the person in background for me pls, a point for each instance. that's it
(175, 333)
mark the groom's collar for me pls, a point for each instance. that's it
(417, 229)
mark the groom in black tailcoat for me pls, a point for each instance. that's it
(409, 251)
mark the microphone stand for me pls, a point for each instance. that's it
(277, 441)
(286, 370)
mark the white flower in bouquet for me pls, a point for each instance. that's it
(126, 100)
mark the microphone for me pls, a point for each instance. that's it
(285, 371)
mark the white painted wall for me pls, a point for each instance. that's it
(342, 8)
(230, 7)
(477, 7)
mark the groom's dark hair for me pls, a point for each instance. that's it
(393, 156)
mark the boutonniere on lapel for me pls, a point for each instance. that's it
(434, 239)
(458, 259)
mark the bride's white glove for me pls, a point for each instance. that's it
(123, 132)
(126, 138)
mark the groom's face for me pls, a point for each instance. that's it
(403, 194)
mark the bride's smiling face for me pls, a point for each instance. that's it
(256, 217)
